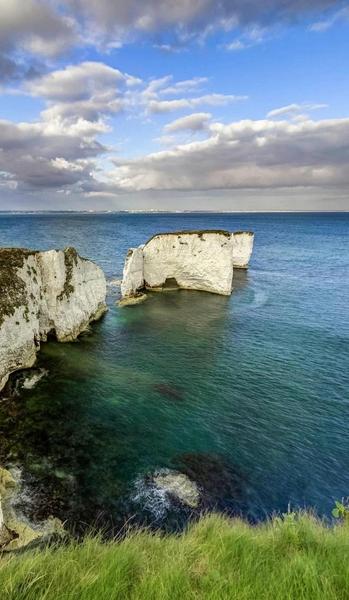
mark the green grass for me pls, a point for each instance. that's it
(296, 557)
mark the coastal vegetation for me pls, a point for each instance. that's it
(290, 557)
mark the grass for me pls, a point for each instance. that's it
(295, 557)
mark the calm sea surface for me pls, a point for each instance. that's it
(250, 394)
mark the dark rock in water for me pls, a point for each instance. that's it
(170, 391)
(25, 379)
(221, 484)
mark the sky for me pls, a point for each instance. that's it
(174, 105)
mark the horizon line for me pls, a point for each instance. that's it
(156, 211)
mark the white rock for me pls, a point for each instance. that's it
(191, 260)
(133, 277)
(195, 260)
(242, 248)
(42, 292)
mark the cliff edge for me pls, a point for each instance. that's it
(55, 292)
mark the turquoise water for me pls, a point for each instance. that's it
(250, 394)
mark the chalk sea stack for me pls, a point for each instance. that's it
(54, 292)
(191, 260)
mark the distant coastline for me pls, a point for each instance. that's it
(168, 212)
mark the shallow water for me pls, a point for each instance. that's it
(256, 384)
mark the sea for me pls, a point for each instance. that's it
(248, 395)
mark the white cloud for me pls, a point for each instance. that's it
(246, 154)
(193, 122)
(80, 97)
(325, 24)
(252, 36)
(164, 106)
(31, 27)
(76, 82)
(36, 26)
(294, 110)
(183, 87)
(236, 45)
(48, 28)
(114, 21)
(34, 157)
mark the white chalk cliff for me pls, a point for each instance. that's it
(242, 248)
(54, 292)
(191, 260)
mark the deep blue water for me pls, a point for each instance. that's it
(258, 383)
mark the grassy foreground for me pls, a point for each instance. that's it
(296, 557)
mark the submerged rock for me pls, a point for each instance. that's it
(55, 292)
(164, 491)
(132, 300)
(180, 486)
(25, 379)
(191, 260)
(220, 483)
(168, 390)
(15, 530)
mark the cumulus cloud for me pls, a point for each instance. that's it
(46, 29)
(246, 154)
(193, 122)
(79, 97)
(32, 157)
(61, 149)
(76, 82)
(31, 27)
(35, 26)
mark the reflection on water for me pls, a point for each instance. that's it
(245, 394)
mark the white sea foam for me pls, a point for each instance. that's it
(33, 379)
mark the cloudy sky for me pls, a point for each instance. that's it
(174, 104)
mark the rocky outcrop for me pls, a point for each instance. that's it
(242, 248)
(15, 530)
(191, 260)
(133, 276)
(41, 293)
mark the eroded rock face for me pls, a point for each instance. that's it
(242, 248)
(191, 260)
(195, 261)
(40, 293)
(133, 276)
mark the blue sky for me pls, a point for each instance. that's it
(162, 105)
